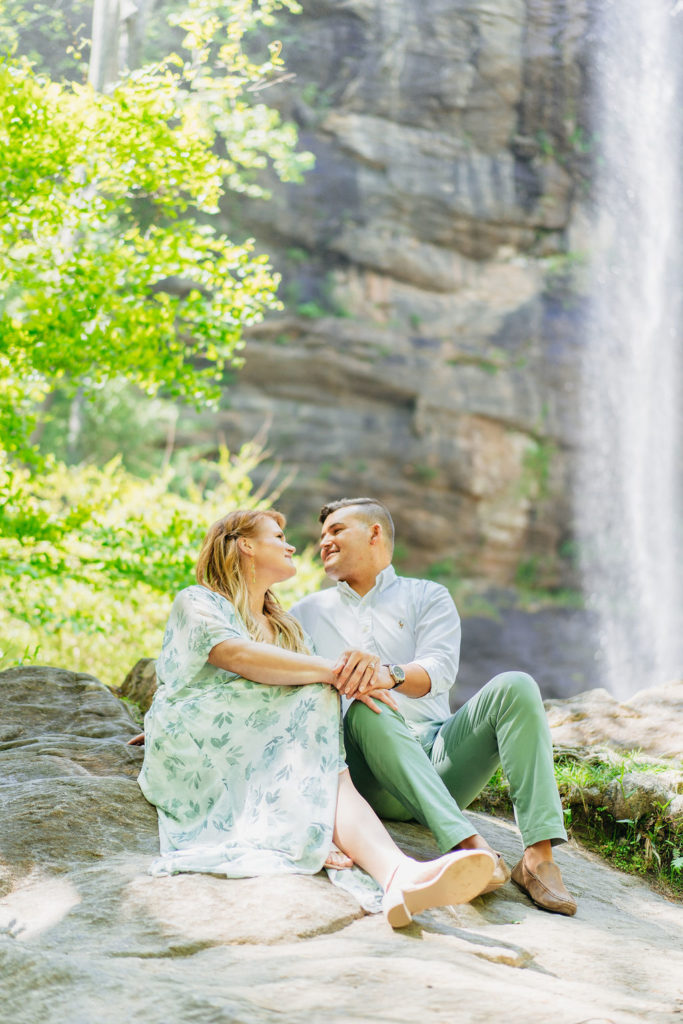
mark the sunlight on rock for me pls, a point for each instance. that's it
(208, 910)
(39, 905)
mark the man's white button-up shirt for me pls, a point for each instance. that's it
(401, 620)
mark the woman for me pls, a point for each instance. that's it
(243, 755)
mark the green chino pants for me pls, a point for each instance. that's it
(504, 723)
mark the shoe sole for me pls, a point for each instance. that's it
(396, 913)
(503, 878)
(461, 878)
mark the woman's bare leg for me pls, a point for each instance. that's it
(410, 886)
(360, 834)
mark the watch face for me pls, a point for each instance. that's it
(397, 673)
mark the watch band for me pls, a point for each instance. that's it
(398, 675)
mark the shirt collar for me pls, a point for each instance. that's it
(382, 581)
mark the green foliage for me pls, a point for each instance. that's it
(571, 770)
(313, 310)
(48, 34)
(317, 99)
(546, 145)
(225, 79)
(445, 569)
(421, 472)
(109, 263)
(527, 572)
(533, 597)
(297, 255)
(492, 362)
(86, 285)
(566, 277)
(651, 846)
(115, 418)
(90, 559)
(534, 591)
(582, 141)
(312, 299)
(536, 468)
(112, 277)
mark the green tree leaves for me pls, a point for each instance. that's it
(91, 558)
(110, 263)
(106, 269)
(111, 269)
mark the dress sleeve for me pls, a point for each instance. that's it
(198, 621)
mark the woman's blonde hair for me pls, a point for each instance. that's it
(219, 567)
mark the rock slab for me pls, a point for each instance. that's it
(87, 935)
(651, 721)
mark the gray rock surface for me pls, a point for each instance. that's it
(86, 935)
(651, 721)
(552, 644)
(140, 684)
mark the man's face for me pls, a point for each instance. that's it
(345, 546)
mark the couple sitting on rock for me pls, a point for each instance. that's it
(246, 754)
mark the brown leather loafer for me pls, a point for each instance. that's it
(501, 875)
(545, 886)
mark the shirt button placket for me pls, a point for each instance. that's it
(366, 630)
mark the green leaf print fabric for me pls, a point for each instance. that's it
(244, 776)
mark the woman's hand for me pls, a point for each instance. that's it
(137, 741)
(359, 671)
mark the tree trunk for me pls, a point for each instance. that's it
(116, 35)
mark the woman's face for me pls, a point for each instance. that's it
(272, 554)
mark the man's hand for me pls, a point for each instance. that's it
(358, 671)
(382, 695)
(384, 682)
(137, 741)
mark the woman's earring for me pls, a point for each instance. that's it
(253, 569)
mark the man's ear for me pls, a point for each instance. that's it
(375, 533)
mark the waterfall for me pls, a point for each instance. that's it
(628, 491)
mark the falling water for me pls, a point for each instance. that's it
(628, 498)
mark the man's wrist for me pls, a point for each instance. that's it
(397, 675)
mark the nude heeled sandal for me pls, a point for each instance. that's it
(460, 877)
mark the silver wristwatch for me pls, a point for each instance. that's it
(397, 674)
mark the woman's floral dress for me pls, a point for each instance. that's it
(244, 776)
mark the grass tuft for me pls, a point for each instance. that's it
(593, 785)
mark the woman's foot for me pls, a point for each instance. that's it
(501, 872)
(414, 886)
(337, 859)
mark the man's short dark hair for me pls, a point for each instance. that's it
(370, 510)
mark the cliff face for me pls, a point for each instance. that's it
(427, 351)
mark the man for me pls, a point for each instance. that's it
(422, 762)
